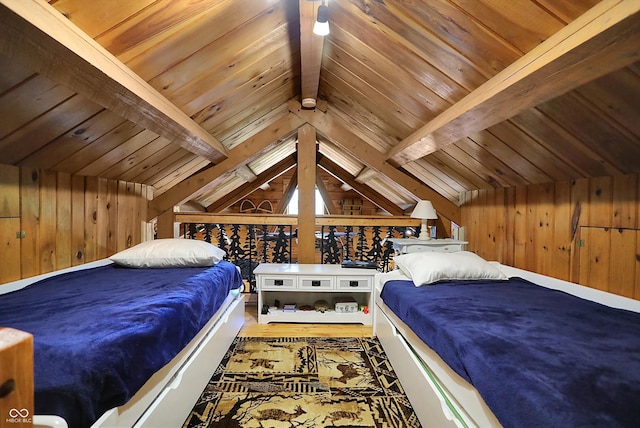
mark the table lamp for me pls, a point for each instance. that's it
(425, 211)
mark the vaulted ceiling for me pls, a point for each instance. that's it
(419, 99)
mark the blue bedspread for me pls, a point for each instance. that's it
(538, 357)
(101, 333)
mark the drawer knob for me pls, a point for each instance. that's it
(278, 282)
(315, 283)
(353, 283)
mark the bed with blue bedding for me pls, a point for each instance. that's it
(538, 357)
(101, 333)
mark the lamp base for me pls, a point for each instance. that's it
(424, 231)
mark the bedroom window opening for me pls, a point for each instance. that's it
(292, 208)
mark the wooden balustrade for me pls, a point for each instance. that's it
(250, 239)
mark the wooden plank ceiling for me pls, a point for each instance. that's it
(419, 99)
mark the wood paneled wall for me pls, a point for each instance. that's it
(51, 220)
(584, 231)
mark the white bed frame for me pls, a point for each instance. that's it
(168, 396)
(439, 396)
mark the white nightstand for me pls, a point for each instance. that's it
(413, 245)
(303, 284)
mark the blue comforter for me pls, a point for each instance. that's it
(538, 357)
(101, 333)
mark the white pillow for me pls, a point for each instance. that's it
(428, 267)
(166, 253)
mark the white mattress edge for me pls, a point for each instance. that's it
(21, 283)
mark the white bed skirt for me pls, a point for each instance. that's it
(169, 395)
(439, 396)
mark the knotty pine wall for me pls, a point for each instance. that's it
(584, 231)
(66, 220)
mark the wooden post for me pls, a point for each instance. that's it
(16, 378)
(306, 194)
(165, 226)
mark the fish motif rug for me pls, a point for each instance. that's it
(303, 382)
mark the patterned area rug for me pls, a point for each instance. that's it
(303, 382)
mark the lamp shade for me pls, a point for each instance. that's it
(424, 210)
(321, 26)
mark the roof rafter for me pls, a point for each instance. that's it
(324, 193)
(580, 52)
(242, 154)
(288, 193)
(362, 189)
(339, 134)
(38, 36)
(365, 175)
(311, 46)
(246, 189)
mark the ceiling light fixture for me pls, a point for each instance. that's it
(321, 26)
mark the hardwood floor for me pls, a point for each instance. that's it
(251, 328)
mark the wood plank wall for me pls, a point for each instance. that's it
(584, 231)
(52, 220)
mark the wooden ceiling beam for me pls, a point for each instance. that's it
(324, 193)
(310, 53)
(339, 134)
(38, 36)
(602, 40)
(362, 189)
(242, 154)
(246, 189)
(365, 175)
(288, 193)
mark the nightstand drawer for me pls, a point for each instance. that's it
(284, 282)
(316, 283)
(412, 245)
(440, 248)
(305, 284)
(354, 283)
